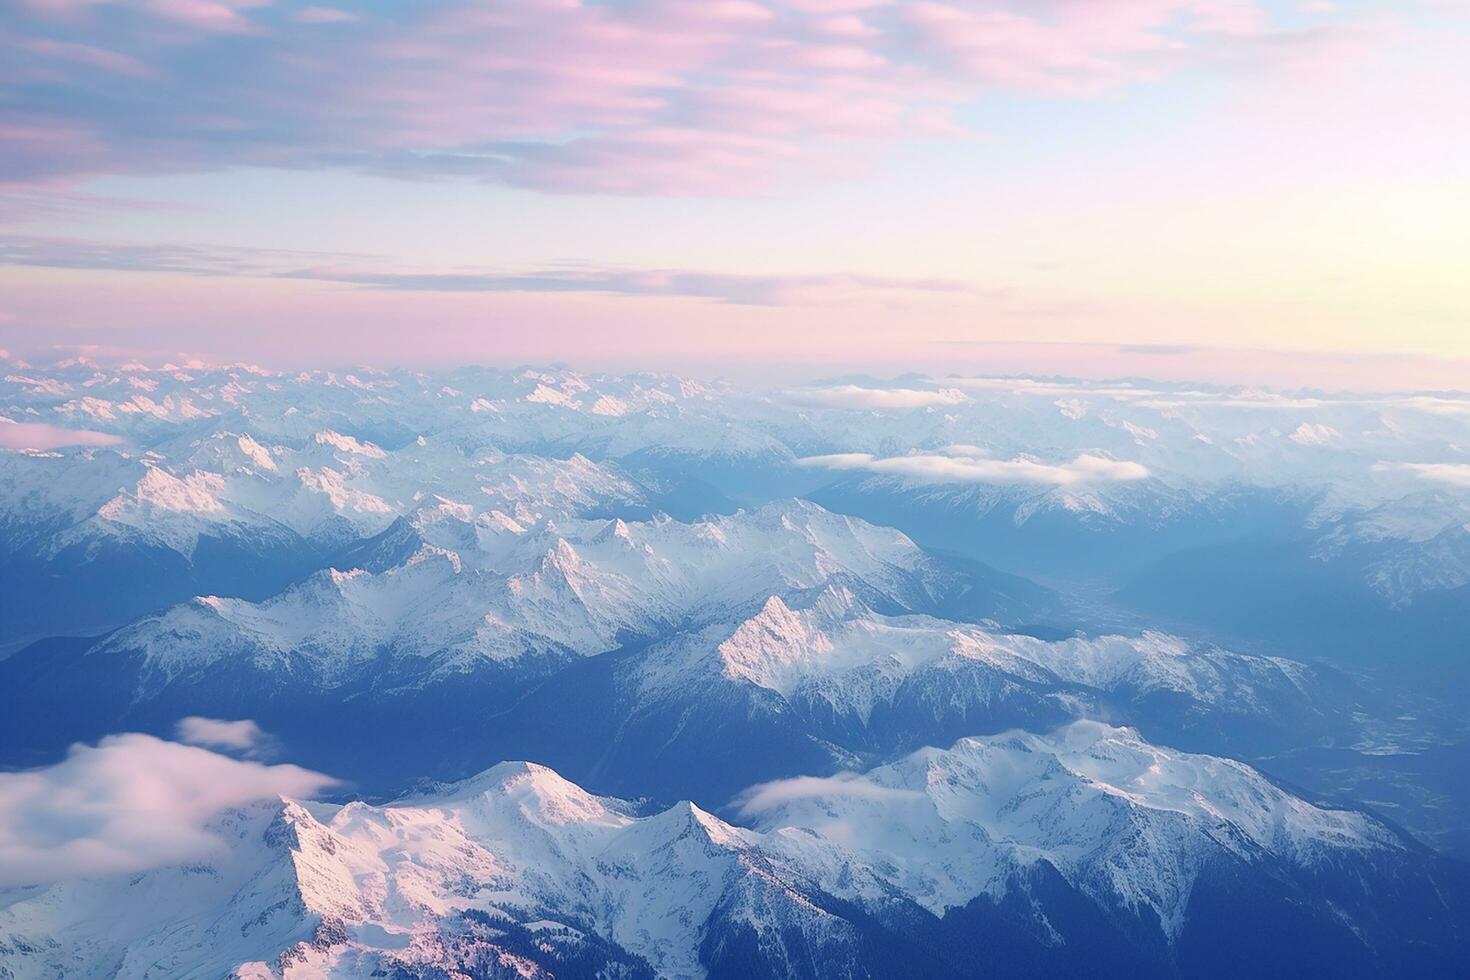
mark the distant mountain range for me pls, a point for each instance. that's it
(907, 651)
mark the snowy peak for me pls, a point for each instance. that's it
(844, 668)
(538, 793)
(347, 444)
(438, 584)
(772, 646)
(1118, 764)
(1129, 823)
(233, 454)
(158, 489)
(360, 889)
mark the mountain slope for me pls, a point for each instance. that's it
(812, 686)
(456, 616)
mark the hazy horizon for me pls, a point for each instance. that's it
(849, 182)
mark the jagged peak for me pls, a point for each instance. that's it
(686, 818)
(540, 792)
(348, 444)
(215, 604)
(561, 555)
(500, 520)
(615, 529)
(427, 554)
(341, 578)
(256, 452)
(770, 647)
(776, 621)
(157, 487)
(838, 602)
(441, 508)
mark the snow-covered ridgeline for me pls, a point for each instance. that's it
(313, 890)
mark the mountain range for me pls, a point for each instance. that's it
(1086, 850)
(916, 677)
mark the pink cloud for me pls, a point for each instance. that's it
(38, 436)
(323, 15)
(1078, 47)
(650, 96)
(217, 733)
(369, 271)
(210, 15)
(129, 803)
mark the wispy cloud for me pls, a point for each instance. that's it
(962, 464)
(217, 733)
(645, 97)
(1454, 474)
(129, 803)
(41, 436)
(856, 397)
(1439, 405)
(765, 798)
(187, 259)
(1054, 386)
(747, 290)
(367, 271)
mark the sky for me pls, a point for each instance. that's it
(1211, 189)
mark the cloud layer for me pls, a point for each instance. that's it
(962, 464)
(763, 798)
(649, 96)
(855, 397)
(369, 271)
(1453, 474)
(40, 436)
(217, 733)
(129, 803)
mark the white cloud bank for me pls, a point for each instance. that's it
(765, 797)
(217, 733)
(966, 464)
(38, 436)
(856, 397)
(129, 803)
(1455, 474)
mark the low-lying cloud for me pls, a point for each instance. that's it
(129, 803)
(763, 798)
(963, 464)
(1048, 388)
(217, 733)
(1454, 474)
(38, 436)
(856, 397)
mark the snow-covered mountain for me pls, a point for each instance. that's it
(957, 861)
(817, 685)
(1047, 477)
(227, 514)
(488, 588)
(890, 680)
(456, 612)
(1354, 450)
(801, 640)
(772, 603)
